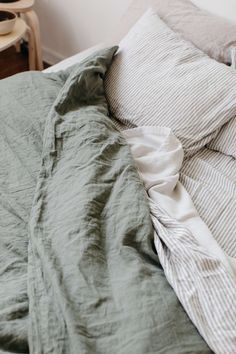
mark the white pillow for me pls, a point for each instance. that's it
(158, 78)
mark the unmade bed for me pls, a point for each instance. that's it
(117, 209)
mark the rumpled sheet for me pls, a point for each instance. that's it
(197, 268)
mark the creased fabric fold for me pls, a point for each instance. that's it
(199, 271)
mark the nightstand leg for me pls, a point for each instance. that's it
(17, 46)
(31, 49)
(32, 20)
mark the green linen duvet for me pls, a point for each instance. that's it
(78, 270)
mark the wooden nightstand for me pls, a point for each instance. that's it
(26, 7)
(12, 38)
(20, 29)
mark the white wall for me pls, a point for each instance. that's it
(69, 26)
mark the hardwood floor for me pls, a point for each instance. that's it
(12, 62)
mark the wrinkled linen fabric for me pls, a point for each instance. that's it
(199, 271)
(25, 101)
(93, 275)
(95, 283)
(210, 179)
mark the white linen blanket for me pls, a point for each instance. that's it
(199, 271)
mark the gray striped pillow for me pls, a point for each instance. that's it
(225, 141)
(158, 78)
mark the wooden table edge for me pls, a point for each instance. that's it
(12, 39)
(18, 6)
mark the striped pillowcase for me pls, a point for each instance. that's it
(158, 78)
(225, 141)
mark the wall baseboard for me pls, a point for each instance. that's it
(51, 57)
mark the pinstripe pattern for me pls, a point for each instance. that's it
(205, 289)
(195, 267)
(157, 78)
(210, 179)
(225, 141)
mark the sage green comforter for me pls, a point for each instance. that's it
(78, 270)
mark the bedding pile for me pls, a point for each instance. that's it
(197, 268)
(117, 240)
(79, 271)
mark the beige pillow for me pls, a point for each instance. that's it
(210, 33)
(158, 78)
